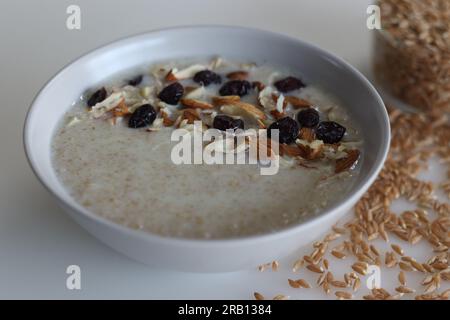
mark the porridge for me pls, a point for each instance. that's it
(113, 150)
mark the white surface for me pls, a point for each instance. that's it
(37, 240)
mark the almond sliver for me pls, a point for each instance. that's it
(223, 100)
(298, 103)
(106, 105)
(193, 103)
(251, 110)
(238, 75)
(186, 73)
(347, 162)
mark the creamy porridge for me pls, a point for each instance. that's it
(113, 149)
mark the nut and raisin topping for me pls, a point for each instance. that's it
(306, 131)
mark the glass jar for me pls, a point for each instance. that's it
(412, 52)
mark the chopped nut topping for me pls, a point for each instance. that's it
(219, 101)
(347, 162)
(192, 103)
(298, 103)
(186, 73)
(238, 75)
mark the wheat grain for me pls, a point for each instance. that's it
(258, 296)
(343, 295)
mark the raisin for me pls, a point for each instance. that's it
(136, 80)
(289, 84)
(97, 96)
(330, 132)
(235, 88)
(142, 116)
(308, 118)
(207, 77)
(223, 122)
(172, 93)
(288, 130)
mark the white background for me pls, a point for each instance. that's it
(37, 240)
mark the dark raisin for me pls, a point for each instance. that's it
(223, 122)
(330, 132)
(207, 77)
(288, 130)
(142, 116)
(172, 93)
(136, 80)
(97, 97)
(289, 84)
(308, 118)
(235, 88)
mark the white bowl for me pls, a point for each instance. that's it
(318, 66)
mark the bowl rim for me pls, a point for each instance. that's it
(227, 242)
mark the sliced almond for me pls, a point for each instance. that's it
(194, 92)
(251, 109)
(238, 75)
(266, 100)
(258, 85)
(313, 150)
(170, 76)
(73, 120)
(156, 125)
(196, 104)
(298, 103)
(291, 150)
(307, 134)
(191, 115)
(185, 73)
(167, 122)
(347, 162)
(280, 101)
(106, 105)
(277, 114)
(219, 101)
(261, 124)
(244, 107)
(121, 109)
